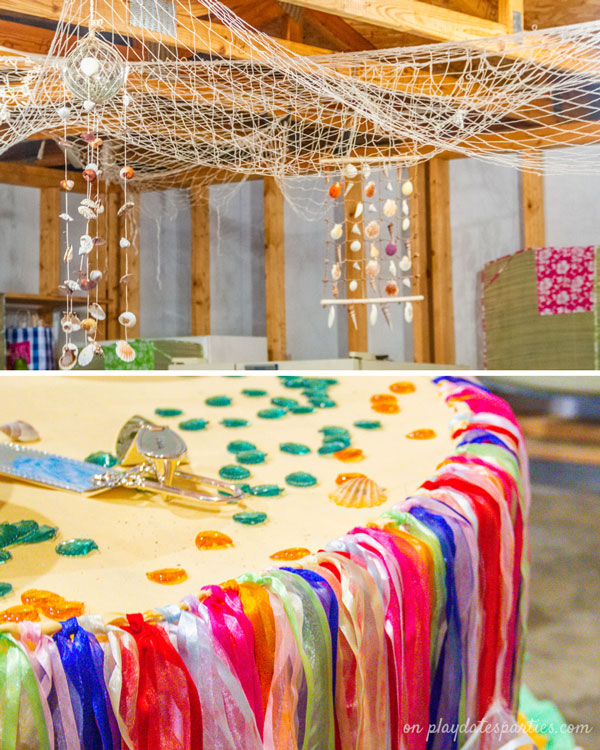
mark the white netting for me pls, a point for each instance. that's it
(254, 107)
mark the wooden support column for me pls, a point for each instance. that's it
(358, 337)
(49, 246)
(129, 262)
(274, 270)
(199, 205)
(421, 272)
(510, 15)
(534, 220)
(440, 260)
(112, 269)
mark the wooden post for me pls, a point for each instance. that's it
(200, 213)
(358, 337)
(510, 15)
(113, 235)
(49, 240)
(441, 262)
(274, 270)
(421, 273)
(534, 220)
(130, 226)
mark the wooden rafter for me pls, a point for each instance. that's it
(338, 32)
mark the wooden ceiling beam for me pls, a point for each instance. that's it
(338, 32)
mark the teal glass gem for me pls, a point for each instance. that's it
(8, 534)
(193, 424)
(337, 439)
(301, 479)
(286, 403)
(238, 446)
(266, 490)
(218, 401)
(332, 430)
(368, 424)
(37, 534)
(251, 457)
(245, 488)
(296, 449)
(102, 458)
(333, 446)
(168, 412)
(24, 529)
(233, 471)
(5, 556)
(76, 547)
(250, 517)
(234, 422)
(254, 392)
(301, 409)
(293, 381)
(323, 403)
(275, 413)
(5, 589)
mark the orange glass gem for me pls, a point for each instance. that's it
(425, 434)
(403, 387)
(61, 609)
(335, 190)
(350, 455)
(20, 613)
(39, 596)
(168, 576)
(387, 407)
(385, 398)
(292, 553)
(341, 478)
(213, 540)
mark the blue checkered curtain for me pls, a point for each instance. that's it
(41, 344)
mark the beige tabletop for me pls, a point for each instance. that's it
(136, 534)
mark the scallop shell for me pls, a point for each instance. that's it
(353, 285)
(125, 351)
(372, 268)
(405, 263)
(87, 212)
(350, 171)
(331, 317)
(336, 232)
(86, 355)
(390, 207)
(70, 323)
(336, 273)
(372, 230)
(96, 275)
(358, 492)
(89, 324)
(358, 210)
(407, 188)
(97, 312)
(373, 315)
(355, 246)
(370, 189)
(68, 358)
(408, 312)
(20, 432)
(128, 319)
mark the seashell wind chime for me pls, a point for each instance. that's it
(368, 257)
(94, 74)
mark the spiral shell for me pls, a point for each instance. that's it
(358, 492)
(20, 432)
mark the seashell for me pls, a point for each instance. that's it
(407, 188)
(72, 285)
(336, 271)
(405, 208)
(391, 288)
(70, 323)
(350, 171)
(67, 185)
(89, 175)
(20, 432)
(97, 142)
(65, 217)
(356, 265)
(127, 319)
(124, 242)
(405, 263)
(64, 112)
(372, 230)
(405, 224)
(358, 210)
(126, 173)
(87, 212)
(373, 208)
(373, 251)
(98, 241)
(125, 351)
(87, 284)
(356, 229)
(99, 208)
(373, 315)
(391, 249)
(331, 317)
(97, 312)
(126, 100)
(353, 318)
(335, 190)
(88, 105)
(355, 246)
(98, 350)
(86, 355)
(370, 189)
(353, 285)
(96, 275)
(87, 137)
(336, 232)
(86, 244)
(88, 202)
(392, 268)
(407, 282)
(68, 254)
(93, 166)
(125, 207)
(389, 208)
(68, 357)
(389, 187)
(89, 324)
(366, 171)
(408, 312)
(372, 268)
(349, 186)
(358, 491)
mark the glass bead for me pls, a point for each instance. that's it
(167, 576)
(296, 449)
(301, 479)
(286, 403)
(213, 540)
(291, 553)
(39, 596)
(386, 407)
(5, 589)
(254, 392)
(251, 457)
(337, 439)
(5, 556)
(333, 431)
(41, 534)
(266, 490)
(293, 381)
(368, 424)
(350, 455)
(193, 425)
(8, 534)
(102, 458)
(383, 398)
(168, 412)
(323, 403)
(25, 529)
(275, 413)
(59, 609)
(233, 471)
(234, 422)
(218, 401)
(341, 478)
(300, 409)
(334, 445)
(20, 613)
(76, 547)
(425, 434)
(403, 387)
(237, 446)
(250, 517)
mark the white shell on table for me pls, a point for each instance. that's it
(355, 245)
(353, 285)
(125, 351)
(86, 355)
(88, 202)
(97, 312)
(408, 312)
(350, 171)
(407, 188)
(20, 432)
(373, 315)
(358, 492)
(405, 263)
(336, 271)
(372, 230)
(389, 208)
(358, 210)
(336, 232)
(331, 317)
(128, 319)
